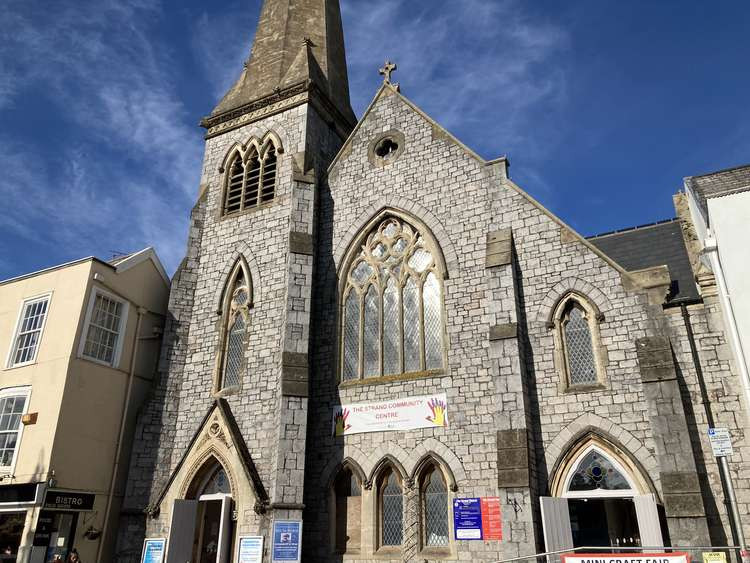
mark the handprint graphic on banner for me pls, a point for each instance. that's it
(438, 409)
(339, 421)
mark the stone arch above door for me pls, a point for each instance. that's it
(593, 424)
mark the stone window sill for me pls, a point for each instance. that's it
(437, 553)
(392, 378)
(574, 389)
(226, 392)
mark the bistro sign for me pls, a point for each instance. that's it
(69, 500)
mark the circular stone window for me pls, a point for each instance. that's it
(386, 148)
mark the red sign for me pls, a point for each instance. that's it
(492, 520)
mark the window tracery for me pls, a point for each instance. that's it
(434, 508)
(390, 509)
(235, 328)
(392, 307)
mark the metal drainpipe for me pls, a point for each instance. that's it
(123, 423)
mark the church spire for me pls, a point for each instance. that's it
(297, 42)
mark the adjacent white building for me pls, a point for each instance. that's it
(719, 204)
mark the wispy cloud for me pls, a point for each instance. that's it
(481, 68)
(127, 173)
(221, 42)
(134, 158)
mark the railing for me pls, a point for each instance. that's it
(731, 552)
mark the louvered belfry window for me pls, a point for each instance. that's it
(234, 332)
(251, 178)
(392, 306)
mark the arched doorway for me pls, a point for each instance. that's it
(201, 530)
(600, 499)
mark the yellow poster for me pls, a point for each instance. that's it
(714, 557)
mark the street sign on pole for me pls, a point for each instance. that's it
(721, 442)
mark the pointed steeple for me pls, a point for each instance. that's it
(299, 45)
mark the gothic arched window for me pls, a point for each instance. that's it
(348, 511)
(236, 306)
(577, 336)
(390, 509)
(392, 305)
(251, 176)
(434, 508)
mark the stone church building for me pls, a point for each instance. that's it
(336, 267)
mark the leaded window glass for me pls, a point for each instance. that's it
(434, 509)
(596, 472)
(392, 306)
(251, 178)
(391, 510)
(236, 318)
(579, 351)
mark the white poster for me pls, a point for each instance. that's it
(250, 549)
(399, 414)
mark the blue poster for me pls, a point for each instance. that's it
(153, 550)
(287, 538)
(467, 518)
(250, 549)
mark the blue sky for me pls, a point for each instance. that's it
(602, 106)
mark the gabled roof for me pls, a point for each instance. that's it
(118, 264)
(656, 244)
(389, 89)
(251, 472)
(124, 263)
(717, 184)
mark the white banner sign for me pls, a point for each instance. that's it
(627, 558)
(400, 414)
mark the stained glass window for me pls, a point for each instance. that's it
(217, 483)
(594, 472)
(391, 510)
(235, 329)
(392, 314)
(577, 342)
(435, 509)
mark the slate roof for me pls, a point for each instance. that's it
(719, 183)
(653, 245)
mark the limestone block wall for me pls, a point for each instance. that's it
(156, 424)
(713, 396)
(461, 199)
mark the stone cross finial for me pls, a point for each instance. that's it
(387, 70)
